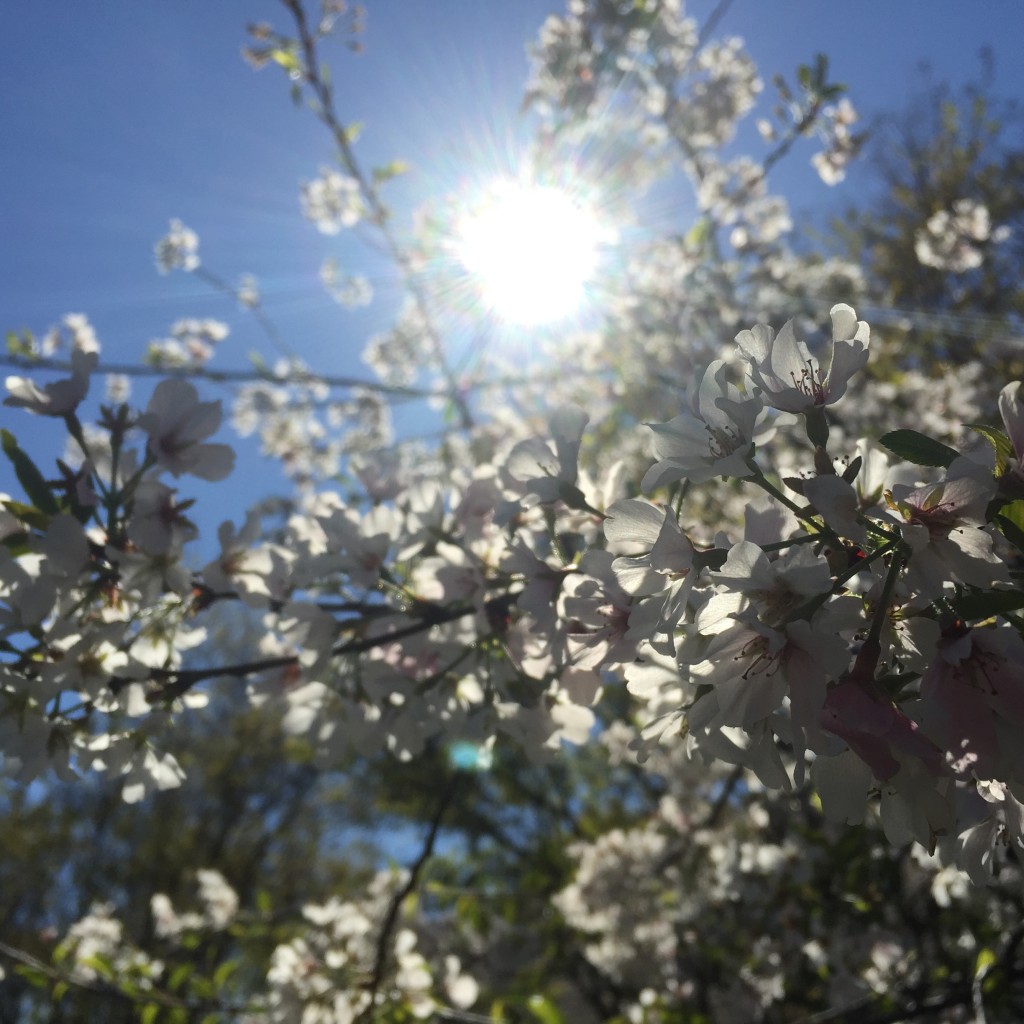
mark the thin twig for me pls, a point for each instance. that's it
(379, 214)
(391, 917)
(180, 681)
(232, 376)
(106, 988)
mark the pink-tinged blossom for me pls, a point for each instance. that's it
(877, 731)
(917, 805)
(1003, 825)
(944, 526)
(600, 627)
(357, 545)
(973, 701)
(789, 378)
(714, 437)
(837, 503)
(636, 523)
(1011, 408)
(257, 573)
(752, 667)
(142, 769)
(177, 425)
(59, 397)
(772, 589)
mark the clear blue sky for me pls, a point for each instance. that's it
(117, 116)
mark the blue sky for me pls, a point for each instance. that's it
(117, 117)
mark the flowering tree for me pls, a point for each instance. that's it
(694, 549)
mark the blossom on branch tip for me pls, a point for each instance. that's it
(973, 701)
(789, 378)
(944, 526)
(714, 437)
(177, 423)
(59, 397)
(178, 248)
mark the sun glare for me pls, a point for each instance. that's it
(532, 250)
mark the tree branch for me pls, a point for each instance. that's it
(391, 917)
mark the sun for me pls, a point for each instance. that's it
(532, 250)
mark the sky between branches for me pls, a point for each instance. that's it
(118, 117)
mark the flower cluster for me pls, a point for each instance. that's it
(955, 240)
(743, 588)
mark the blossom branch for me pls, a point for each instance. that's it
(379, 213)
(105, 988)
(180, 681)
(415, 871)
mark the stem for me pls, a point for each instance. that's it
(257, 312)
(867, 560)
(180, 681)
(809, 607)
(801, 513)
(781, 545)
(882, 609)
(391, 917)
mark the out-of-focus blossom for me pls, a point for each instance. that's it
(955, 240)
(177, 424)
(58, 398)
(178, 249)
(333, 201)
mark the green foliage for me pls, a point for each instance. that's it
(29, 476)
(921, 450)
(944, 147)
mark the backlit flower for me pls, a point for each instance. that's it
(789, 378)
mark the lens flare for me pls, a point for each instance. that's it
(532, 249)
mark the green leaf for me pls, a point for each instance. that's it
(1000, 443)
(921, 450)
(544, 1010)
(286, 58)
(20, 345)
(179, 976)
(1010, 520)
(389, 171)
(260, 365)
(60, 990)
(100, 963)
(985, 959)
(149, 1014)
(35, 978)
(16, 544)
(29, 515)
(980, 604)
(224, 972)
(699, 233)
(820, 69)
(29, 476)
